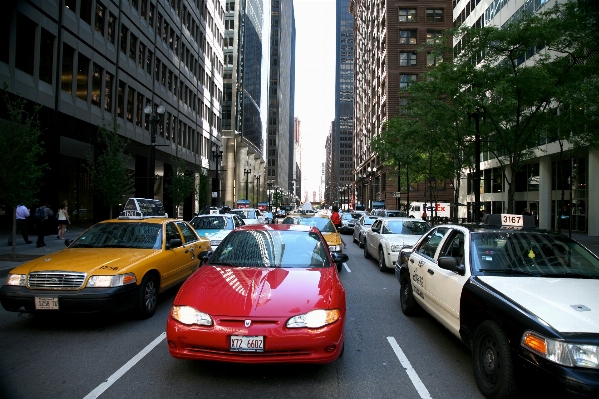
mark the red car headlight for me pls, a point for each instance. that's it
(188, 315)
(314, 319)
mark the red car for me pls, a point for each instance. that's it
(269, 293)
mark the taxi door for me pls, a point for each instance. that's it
(194, 246)
(420, 266)
(178, 258)
(444, 286)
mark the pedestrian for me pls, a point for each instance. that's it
(63, 219)
(42, 215)
(336, 220)
(525, 212)
(423, 216)
(21, 224)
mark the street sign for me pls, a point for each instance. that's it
(396, 194)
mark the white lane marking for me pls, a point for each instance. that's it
(409, 369)
(347, 267)
(126, 367)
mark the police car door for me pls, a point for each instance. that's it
(444, 286)
(420, 262)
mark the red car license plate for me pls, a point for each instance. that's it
(44, 303)
(241, 343)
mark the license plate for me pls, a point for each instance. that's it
(241, 343)
(44, 303)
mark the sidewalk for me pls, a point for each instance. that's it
(27, 252)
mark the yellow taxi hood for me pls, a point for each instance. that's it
(87, 260)
(332, 238)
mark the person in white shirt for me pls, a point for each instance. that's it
(22, 215)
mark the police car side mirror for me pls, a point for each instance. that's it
(450, 263)
(174, 243)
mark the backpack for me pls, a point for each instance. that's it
(40, 214)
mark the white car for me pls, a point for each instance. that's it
(388, 235)
(362, 225)
(216, 227)
(249, 215)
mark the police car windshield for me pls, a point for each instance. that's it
(121, 235)
(530, 253)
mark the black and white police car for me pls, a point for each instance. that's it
(525, 301)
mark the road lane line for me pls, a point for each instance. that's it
(347, 267)
(409, 369)
(126, 367)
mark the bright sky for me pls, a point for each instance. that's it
(314, 84)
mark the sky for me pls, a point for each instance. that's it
(314, 84)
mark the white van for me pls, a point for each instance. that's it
(441, 209)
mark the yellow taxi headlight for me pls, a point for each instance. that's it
(16, 279)
(111, 281)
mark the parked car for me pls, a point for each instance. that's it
(523, 300)
(249, 215)
(216, 227)
(268, 294)
(362, 225)
(388, 235)
(348, 222)
(115, 265)
(386, 213)
(268, 217)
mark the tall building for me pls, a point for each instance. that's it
(387, 36)
(280, 145)
(297, 158)
(538, 187)
(88, 63)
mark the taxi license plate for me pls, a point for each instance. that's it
(45, 303)
(241, 343)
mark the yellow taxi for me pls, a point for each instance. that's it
(116, 265)
(324, 224)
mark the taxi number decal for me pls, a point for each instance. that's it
(419, 293)
(511, 220)
(109, 267)
(418, 279)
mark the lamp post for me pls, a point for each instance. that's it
(371, 173)
(269, 186)
(246, 172)
(156, 118)
(256, 190)
(217, 154)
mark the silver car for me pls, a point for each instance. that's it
(360, 228)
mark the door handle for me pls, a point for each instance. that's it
(411, 260)
(430, 271)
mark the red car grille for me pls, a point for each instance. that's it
(223, 352)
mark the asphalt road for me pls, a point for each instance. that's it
(387, 355)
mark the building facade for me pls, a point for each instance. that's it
(99, 62)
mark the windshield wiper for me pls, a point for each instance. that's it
(568, 275)
(511, 271)
(223, 264)
(115, 246)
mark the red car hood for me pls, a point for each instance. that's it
(258, 292)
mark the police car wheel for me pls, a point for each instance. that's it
(148, 297)
(382, 265)
(366, 253)
(493, 369)
(409, 306)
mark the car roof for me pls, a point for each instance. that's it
(278, 227)
(399, 219)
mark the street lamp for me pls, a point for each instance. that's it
(256, 198)
(371, 172)
(156, 118)
(269, 185)
(246, 172)
(217, 154)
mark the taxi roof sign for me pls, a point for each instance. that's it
(142, 208)
(508, 221)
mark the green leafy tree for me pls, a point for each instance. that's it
(20, 171)
(181, 182)
(110, 177)
(202, 189)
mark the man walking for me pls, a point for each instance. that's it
(41, 220)
(22, 215)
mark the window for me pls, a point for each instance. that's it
(142, 55)
(120, 105)
(24, 57)
(434, 36)
(46, 56)
(124, 32)
(132, 47)
(86, 11)
(149, 62)
(407, 58)
(67, 69)
(434, 15)
(108, 92)
(82, 76)
(71, 5)
(433, 59)
(407, 15)
(99, 22)
(96, 85)
(407, 36)
(111, 25)
(406, 81)
(130, 100)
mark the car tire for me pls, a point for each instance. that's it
(492, 361)
(366, 253)
(353, 237)
(339, 267)
(408, 303)
(360, 243)
(148, 297)
(382, 265)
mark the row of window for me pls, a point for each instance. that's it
(410, 36)
(431, 15)
(410, 58)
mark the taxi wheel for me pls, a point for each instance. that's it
(366, 253)
(382, 265)
(148, 297)
(493, 369)
(409, 306)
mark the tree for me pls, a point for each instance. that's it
(202, 189)
(20, 172)
(181, 182)
(110, 177)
